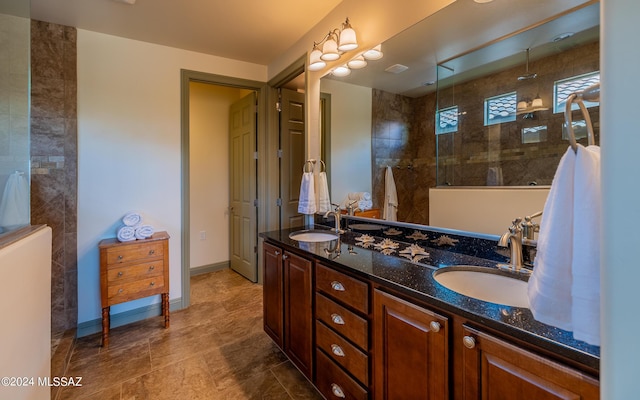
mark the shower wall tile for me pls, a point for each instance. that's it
(54, 156)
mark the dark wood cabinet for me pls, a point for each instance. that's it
(298, 311)
(273, 294)
(411, 349)
(495, 369)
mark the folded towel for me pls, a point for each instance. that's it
(126, 233)
(307, 200)
(549, 288)
(324, 201)
(14, 207)
(143, 231)
(390, 209)
(132, 219)
(365, 204)
(585, 268)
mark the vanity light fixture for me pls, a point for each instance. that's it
(334, 44)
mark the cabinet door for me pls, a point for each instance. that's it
(410, 350)
(298, 312)
(273, 311)
(496, 370)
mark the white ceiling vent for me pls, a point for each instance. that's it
(397, 68)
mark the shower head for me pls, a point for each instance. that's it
(528, 75)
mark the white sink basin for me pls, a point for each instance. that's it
(487, 284)
(313, 236)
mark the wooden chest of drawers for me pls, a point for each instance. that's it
(132, 270)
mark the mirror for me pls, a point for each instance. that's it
(466, 55)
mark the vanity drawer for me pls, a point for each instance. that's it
(343, 352)
(343, 321)
(118, 293)
(351, 291)
(124, 254)
(334, 383)
(135, 272)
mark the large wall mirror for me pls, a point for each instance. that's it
(471, 96)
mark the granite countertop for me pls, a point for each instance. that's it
(414, 278)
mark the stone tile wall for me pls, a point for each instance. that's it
(54, 159)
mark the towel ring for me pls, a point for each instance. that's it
(323, 166)
(304, 167)
(592, 93)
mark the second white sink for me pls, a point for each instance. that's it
(485, 284)
(313, 236)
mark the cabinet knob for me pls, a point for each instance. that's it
(152, 284)
(434, 326)
(469, 342)
(337, 391)
(337, 286)
(337, 350)
(284, 256)
(152, 252)
(277, 252)
(152, 267)
(120, 274)
(337, 319)
(120, 257)
(120, 290)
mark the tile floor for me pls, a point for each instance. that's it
(215, 349)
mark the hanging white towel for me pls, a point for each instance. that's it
(307, 200)
(143, 231)
(390, 209)
(324, 201)
(549, 287)
(494, 176)
(132, 219)
(126, 233)
(585, 267)
(14, 207)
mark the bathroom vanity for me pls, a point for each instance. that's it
(361, 324)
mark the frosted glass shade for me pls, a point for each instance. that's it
(373, 54)
(315, 62)
(348, 40)
(342, 70)
(330, 50)
(357, 63)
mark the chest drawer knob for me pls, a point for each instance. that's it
(434, 326)
(120, 274)
(120, 290)
(337, 286)
(337, 319)
(120, 257)
(152, 284)
(337, 350)
(152, 252)
(151, 268)
(337, 391)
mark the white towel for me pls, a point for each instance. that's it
(143, 231)
(494, 176)
(14, 207)
(126, 233)
(307, 200)
(549, 287)
(365, 204)
(132, 219)
(390, 209)
(324, 201)
(366, 196)
(585, 267)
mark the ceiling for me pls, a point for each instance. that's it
(255, 31)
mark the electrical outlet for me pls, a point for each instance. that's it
(203, 235)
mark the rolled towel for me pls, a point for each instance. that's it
(365, 196)
(143, 231)
(132, 219)
(126, 233)
(365, 204)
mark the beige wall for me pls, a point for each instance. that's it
(209, 171)
(350, 165)
(25, 306)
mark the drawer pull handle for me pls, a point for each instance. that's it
(337, 350)
(337, 286)
(469, 342)
(151, 268)
(434, 326)
(337, 391)
(337, 319)
(120, 274)
(152, 284)
(152, 252)
(120, 290)
(284, 256)
(120, 257)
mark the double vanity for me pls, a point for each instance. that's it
(379, 313)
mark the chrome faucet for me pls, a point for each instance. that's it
(530, 228)
(513, 239)
(336, 218)
(351, 210)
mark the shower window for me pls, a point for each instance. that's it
(499, 109)
(447, 120)
(564, 87)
